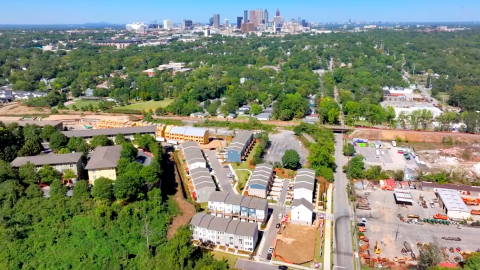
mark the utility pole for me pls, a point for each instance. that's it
(396, 232)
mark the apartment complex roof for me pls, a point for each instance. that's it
(305, 179)
(197, 218)
(246, 201)
(232, 226)
(261, 175)
(201, 178)
(239, 142)
(219, 224)
(237, 199)
(218, 196)
(42, 123)
(47, 159)
(234, 199)
(304, 202)
(192, 152)
(109, 131)
(104, 157)
(246, 229)
(188, 131)
(205, 222)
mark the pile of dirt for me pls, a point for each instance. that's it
(413, 136)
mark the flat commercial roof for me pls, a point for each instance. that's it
(109, 131)
(104, 157)
(452, 200)
(188, 131)
(403, 196)
(239, 142)
(47, 159)
(451, 186)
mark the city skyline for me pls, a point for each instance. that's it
(121, 12)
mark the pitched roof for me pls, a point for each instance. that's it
(239, 142)
(219, 224)
(235, 199)
(253, 203)
(192, 152)
(197, 218)
(201, 178)
(104, 157)
(261, 175)
(205, 222)
(246, 201)
(304, 202)
(38, 123)
(47, 159)
(246, 229)
(262, 204)
(109, 131)
(218, 196)
(232, 226)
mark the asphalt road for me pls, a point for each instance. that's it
(220, 172)
(252, 265)
(343, 250)
(283, 194)
(148, 159)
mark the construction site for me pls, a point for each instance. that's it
(394, 221)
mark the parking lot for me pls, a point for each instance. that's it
(388, 158)
(283, 141)
(384, 225)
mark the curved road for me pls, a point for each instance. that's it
(342, 244)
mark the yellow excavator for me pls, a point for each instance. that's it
(377, 249)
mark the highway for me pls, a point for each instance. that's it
(342, 244)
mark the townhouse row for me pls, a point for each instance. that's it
(229, 233)
(302, 204)
(238, 207)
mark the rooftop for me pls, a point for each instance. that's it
(38, 123)
(219, 224)
(246, 229)
(239, 142)
(201, 178)
(104, 157)
(109, 131)
(47, 159)
(452, 200)
(304, 202)
(261, 175)
(218, 196)
(197, 218)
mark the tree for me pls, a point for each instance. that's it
(80, 191)
(64, 151)
(430, 255)
(473, 261)
(47, 132)
(10, 192)
(328, 110)
(57, 141)
(119, 139)
(291, 159)
(103, 188)
(390, 116)
(355, 168)
(32, 147)
(129, 152)
(398, 175)
(77, 144)
(150, 175)
(348, 150)
(31, 131)
(256, 109)
(33, 191)
(128, 185)
(143, 141)
(6, 172)
(99, 140)
(69, 174)
(48, 174)
(28, 173)
(57, 189)
(160, 111)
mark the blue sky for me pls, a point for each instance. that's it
(122, 11)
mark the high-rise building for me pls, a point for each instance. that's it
(245, 16)
(248, 27)
(253, 17)
(210, 21)
(227, 23)
(187, 24)
(277, 13)
(304, 23)
(167, 24)
(239, 22)
(265, 16)
(277, 20)
(216, 21)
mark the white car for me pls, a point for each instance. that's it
(270, 250)
(280, 216)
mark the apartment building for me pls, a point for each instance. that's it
(60, 162)
(236, 206)
(224, 232)
(103, 163)
(302, 212)
(240, 146)
(128, 132)
(182, 134)
(203, 185)
(261, 181)
(193, 155)
(304, 185)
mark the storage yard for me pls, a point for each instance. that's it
(399, 225)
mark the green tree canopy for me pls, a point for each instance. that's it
(103, 188)
(100, 140)
(291, 159)
(57, 141)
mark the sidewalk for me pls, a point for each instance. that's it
(328, 231)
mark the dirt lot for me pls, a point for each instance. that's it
(22, 110)
(296, 243)
(384, 226)
(412, 136)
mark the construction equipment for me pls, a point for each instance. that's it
(475, 212)
(440, 216)
(387, 188)
(412, 216)
(377, 249)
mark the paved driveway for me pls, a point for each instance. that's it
(220, 172)
(271, 234)
(148, 159)
(252, 265)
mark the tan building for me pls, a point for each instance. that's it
(60, 162)
(182, 134)
(103, 163)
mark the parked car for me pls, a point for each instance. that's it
(361, 224)
(283, 267)
(269, 256)
(141, 159)
(278, 225)
(270, 249)
(280, 216)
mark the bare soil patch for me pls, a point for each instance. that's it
(296, 243)
(186, 208)
(22, 110)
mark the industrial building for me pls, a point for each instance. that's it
(260, 181)
(403, 196)
(103, 163)
(193, 155)
(229, 205)
(60, 162)
(240, 146)
(452, 204)
(304, 185)
(302, 212)
(128, 132)
(181, 134)
(203, 185)
(224, 232)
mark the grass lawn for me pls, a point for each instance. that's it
(318, 244)
(221, 256)
(147, 105)
(83, 103)
(242, 174)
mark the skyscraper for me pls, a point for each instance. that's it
(210, 21)
(167, 24)
(265, 16)
(216, 21)
(277, 13)
(253, 17)
(239, 22)
(227, 23)
(245, 16)
(187, 24)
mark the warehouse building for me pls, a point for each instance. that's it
(103, 163)
(452, 204)
(240, 146)
(193, 155)
(60, 162)
(260, 181)
(304, 185)
(230, 205)
(203, 185)
(224, 232)
(128, 132)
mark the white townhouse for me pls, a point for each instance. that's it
(193, 155)
(228, 205)
(304, 185)
(302, 212)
